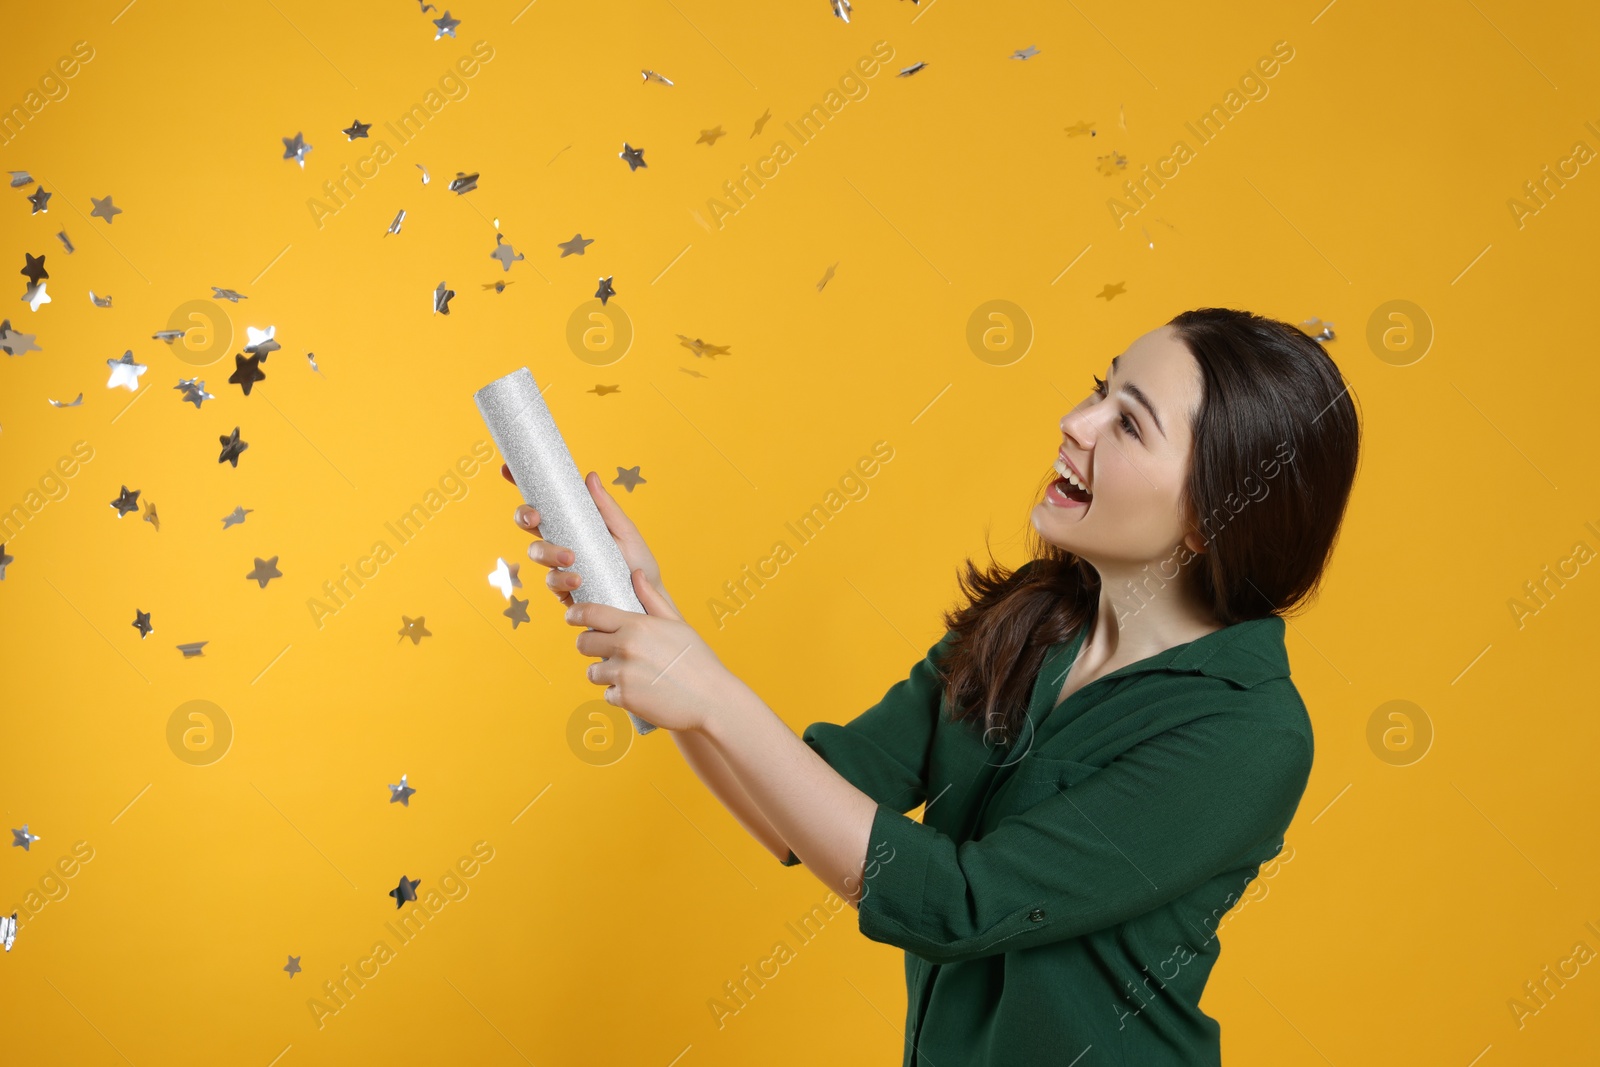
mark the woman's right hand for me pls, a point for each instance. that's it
(634, 551)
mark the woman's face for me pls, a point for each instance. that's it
(1131, 449)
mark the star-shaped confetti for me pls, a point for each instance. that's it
(497, 285)
(66, 242)
(575, 246)
(506, 254)
(36, 295)
(33, 268)
(1079, 128)
(441, 299)
(104, 208)
(1111, 292)
(125, 372)
(15, 343)
(194, 391)
(517, 612)
(357, 129)
(127, 501)
(841, 9)
(1320, 331)
(228, 295)
(19, 178)
(628, 478)
(235, 517)
(293, 966)
(650, 75)
(1025, 53)
(700, 348)
(296, 149)
(99, 301)
(246, 372)
(23, 838)
(906, 72)
(462, 184)
(504, 577)
(766, 116)
(401, 792)
(150, 515)
(447, 28)
(414, 629)
(193, 648)
(231, 447)
(264, 571)
(65, 403)
(261, 341)
(5, 561)
(634, 156)
(602, 390)
(605, 292)
(406, 890)
(169, 336)
(141, 622)
(709, 137)
(39, 198)
(1109, 165)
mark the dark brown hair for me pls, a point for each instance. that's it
(1274, 413)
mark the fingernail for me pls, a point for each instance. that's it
(567, 557)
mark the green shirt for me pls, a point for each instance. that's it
(1064, 899)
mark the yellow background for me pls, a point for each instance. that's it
(1419, 898)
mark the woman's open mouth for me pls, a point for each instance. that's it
(1064, 492)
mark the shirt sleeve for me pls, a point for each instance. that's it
(1166, 816)
(884, 751)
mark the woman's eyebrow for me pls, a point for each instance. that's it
(1138, 394)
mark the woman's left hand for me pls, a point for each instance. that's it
(654, 665)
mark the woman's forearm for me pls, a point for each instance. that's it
(810, 806)
(703, 758)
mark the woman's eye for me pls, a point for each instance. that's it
(1128, 425)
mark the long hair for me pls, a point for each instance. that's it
(1276, 442)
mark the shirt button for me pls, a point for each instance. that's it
(1036, 915)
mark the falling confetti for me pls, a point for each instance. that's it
(5, 561)
(296, 149)
(498, 286)
(826, 277)
(169, 336)
(235, 517)
(194, 391)
(503, 577)
(602, 390)
(8, 930)
(766, 116)
(1079, 128)
(414, 629)
(1320, 331)
(517, 612)
(33, 268)
(125, 372)
(634, 156)
(505, 253)
(246, 372)
(447, 28)
(192, 649)
(261, 341)
(605, 292)
(99, 301)
(141, 622)
(39, 198)
(15, 343)
(150, 515)
(357, 129)
(394, 227)
(126, 501)
(293, 966)
(1109, 165)
(401, 792)
(628, 477)
(231, 448)
(841, 9)
(1110, 292)
(35, 296)
(228, 295)
(650, 75)
(66, 403)
(709, 137)
(406, 890)
(700, 348)
(424, 171)
(462, 184)
(66, 242)
(311, 358)
(441, 299)
(575, 246)
(19, 178)
(908, 71)
(105, 209)
(23, 838)
(1025, 53)
(265, 570)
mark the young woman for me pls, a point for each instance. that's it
(1106, 741)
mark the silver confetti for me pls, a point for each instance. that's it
(193, 648)
(66, 403)
(401, 792)
(99, 301)
(505, 253)
(261, 341)
(22, 837)
(1025, 53)
(14, 343)
(170, 336)
(394, 227)
(441, 299)
(8, 926)
(35, 296)
(125, 372)
(296, 149)
(311, 358)
(650, 75)
(424, 171)
(235, 517)
(841, 9)
(908, 71)
(447, 26)
(1320, 331)
(19, 178)
(104, 208)
(194, 391)
(228, 294)
(504, 577)
(66, 242)
(462, 184)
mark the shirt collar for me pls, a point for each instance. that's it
(1245, 654)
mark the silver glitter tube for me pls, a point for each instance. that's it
(525, 433)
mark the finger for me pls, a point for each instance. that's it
(562, 583)
(505, 472)
(527, 517)
(550, 555)
(619, 524)
(650, 597)
(601, 617)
